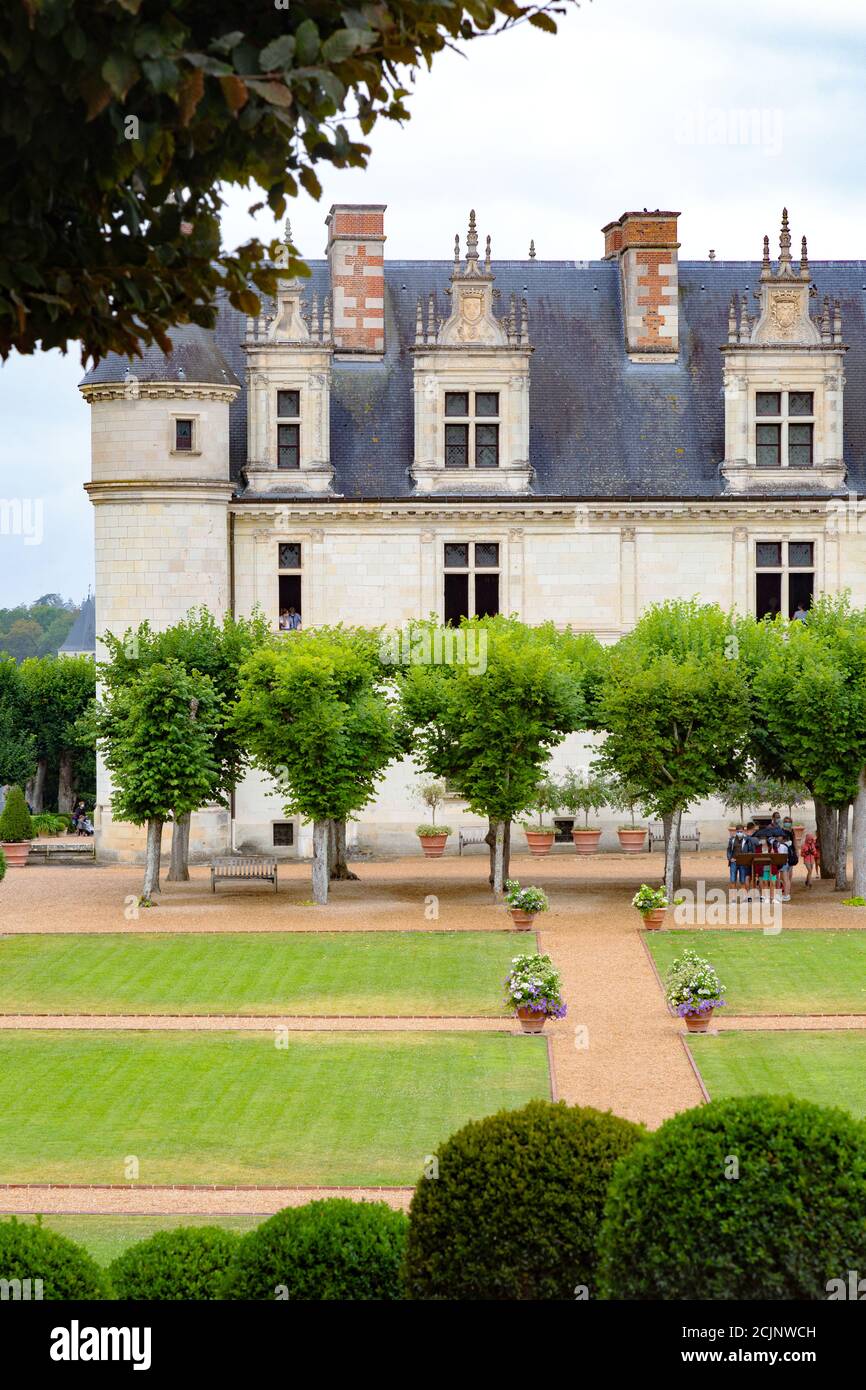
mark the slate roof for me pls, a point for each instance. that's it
(600, 426)
(82, 635)
(195, 356)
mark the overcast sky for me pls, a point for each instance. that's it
(723, 112)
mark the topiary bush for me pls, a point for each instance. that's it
(67, 1271)
(515, 1209)
(2, 866)
(187, 1263)
(757, 1197)
(16, 824)
(333, 1249)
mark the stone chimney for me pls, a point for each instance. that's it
(645, 244)
(356, 239)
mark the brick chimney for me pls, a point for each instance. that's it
(645, 244)
(356, 240)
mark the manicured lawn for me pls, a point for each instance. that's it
(829, 1068)
(294, 973)
(106, 1236)
(340, 1108)
(796, 972)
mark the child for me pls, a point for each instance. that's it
(809, 856)
(737, 844)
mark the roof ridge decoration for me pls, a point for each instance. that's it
(471, 321)
(784, 292)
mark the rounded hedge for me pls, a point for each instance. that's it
(758, 1197)
(515, 1209)
(333, 1249)
(16, 824)
(187, 1263)
(30, 1251)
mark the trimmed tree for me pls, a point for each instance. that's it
(201, 645)
(57, 690)
(487, 725)
(17, 745)
(674, 706)
(314, 714)
(157, 735)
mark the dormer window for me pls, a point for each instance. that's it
(472, 429)
(288, 429)
(784, 429)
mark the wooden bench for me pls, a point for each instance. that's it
(52, 849)
(471, 835)
(245, 866)
(689, 835)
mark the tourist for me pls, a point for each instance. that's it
(787, 841)
(800, 614)
(737, 844)
(293, 620)
(809, 856)
(284, 620)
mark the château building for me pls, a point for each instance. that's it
(560, 439)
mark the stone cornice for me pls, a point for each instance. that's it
(159, 490)
(580, 515)
(134, 390)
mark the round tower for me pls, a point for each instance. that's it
(160, 487)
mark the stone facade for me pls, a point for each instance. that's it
(621, 465)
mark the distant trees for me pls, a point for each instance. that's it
(56, 691)
(36, 629)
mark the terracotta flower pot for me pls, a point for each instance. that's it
(433, 845)
(530, 1021)
(16, 854)
(586, 841)
(632, 841)
(540, 841)
(522, 920)
(698, 1023)
(655, 919)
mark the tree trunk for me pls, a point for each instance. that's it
(65, 789)
(825, 820)
(667, 823)
(841, 884)
(151, 863)
(337, 844)
(858, 838)
(490, 841)
(320, 861)
(178, 871)
(499, 858)
(672, 847)
(34, 792)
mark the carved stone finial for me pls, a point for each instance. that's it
(472, 238)
(287, 234)
(745, 319)
(524, 322)
(765, 260)
(487, 253)
(315, 318)
(804, 259)
(419, 322)
(732, 320)
(784, 241)
(431, 318)
(326, 320)
(532, 250)
(837, 321)
(826, 331)
(456, 248)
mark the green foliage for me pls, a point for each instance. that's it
(313, 712)
(582, 791)
(202, 647)
(515, 1210)
(120, 122)
(16, 824)
(534, 983)
(57, 692)
(49, 823)
(189, 1262)
(529, 899)
(331, 1250)
(67, 1272)
(424, 832)
(674, 705)
(680, 1225)
(648, 899)
(431, 795)
(2, 865)
(489, 734)
(546, 798)
(17, 745)
(157, 734)
(692, 985)
(39, 628)
(623, 796)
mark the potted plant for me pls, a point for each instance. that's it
(583, 792)
(624, 796)
(524, 903)
(652, 904)
(540, 837)
(694, 990)
(16, 829)
(433, 837)
(533, 989)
